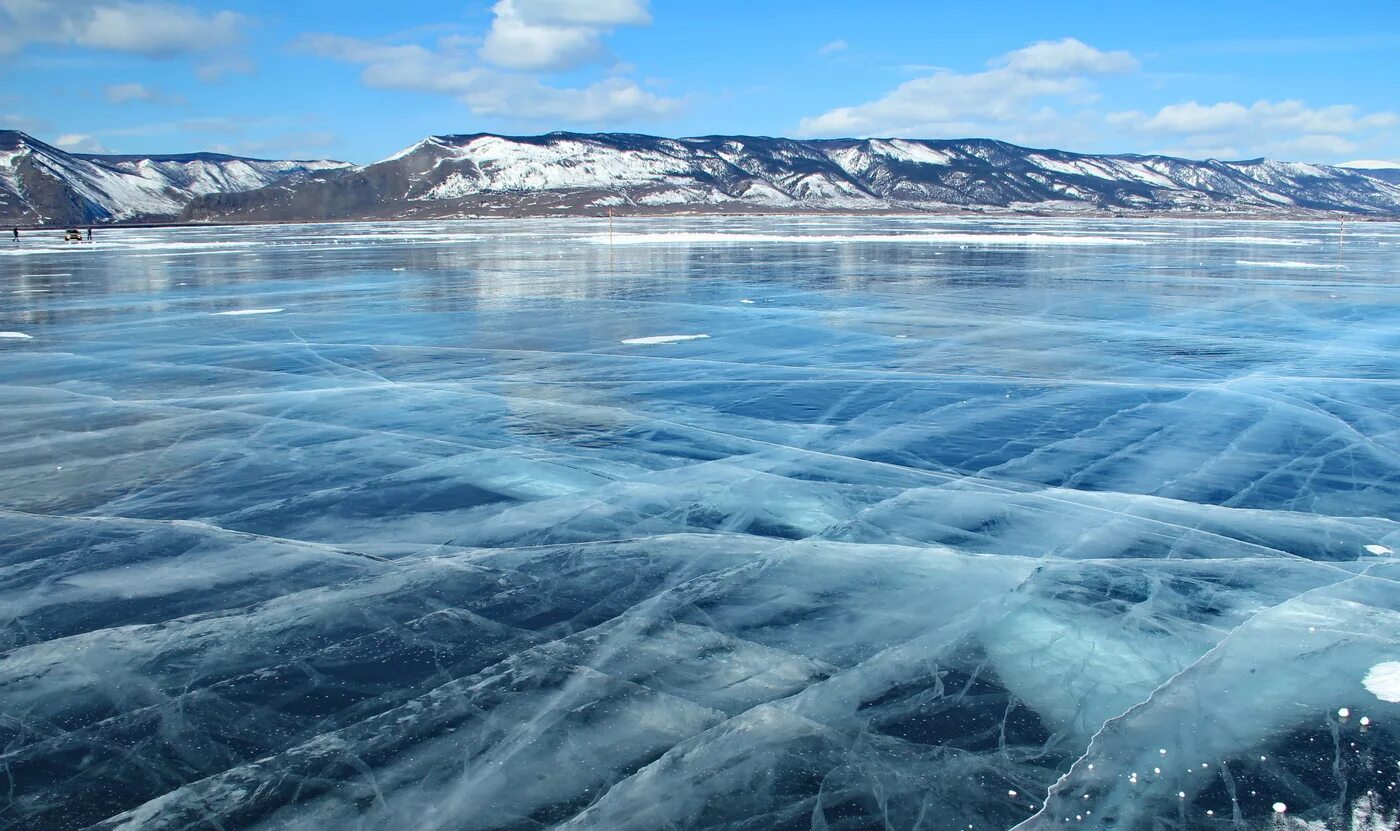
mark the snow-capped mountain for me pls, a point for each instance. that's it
(41, 184)
(1389, 171)
(560, 173)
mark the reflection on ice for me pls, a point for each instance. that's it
(903, 524)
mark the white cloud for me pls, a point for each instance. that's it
(447, 70)
(553, 35)
(1283, 129)
(1371, 164)
(1068, 57)
(157, 29)
(610, 100)
(1014, 85)
(133, 92)
(153, 28)
(1047, 95)
(1291, 116)
(79, 143)
(834, 47)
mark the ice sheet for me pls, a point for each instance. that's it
(737, 523)
(945, 237)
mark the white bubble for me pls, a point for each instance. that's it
(1365, 720)
(1279, 807)
(1344, 712)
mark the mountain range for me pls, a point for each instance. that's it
(43, 185)
(563, 173)
(570, 173)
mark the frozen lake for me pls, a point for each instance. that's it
(737, 524)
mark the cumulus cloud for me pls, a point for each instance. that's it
(448, 70)
(1289, 129)
(1068, 57)
(134, 92)
(79, 143)
(553, 35)
(153, 28)
(1371, 164)
(1046, 94)
(1014, 88)
(1290, 116)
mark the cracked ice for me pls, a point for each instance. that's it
(940, 523)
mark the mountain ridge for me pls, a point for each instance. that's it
(562, 173)
(43, 184)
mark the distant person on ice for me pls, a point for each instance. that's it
(16, 230)
(89, 235)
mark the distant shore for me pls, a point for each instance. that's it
(662, 214)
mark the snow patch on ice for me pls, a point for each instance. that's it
(1378, 549)
(1289, 264)
(240, 312)
(1383, 681)
(16, 336)
(663, 339)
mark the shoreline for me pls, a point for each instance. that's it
(896, 214)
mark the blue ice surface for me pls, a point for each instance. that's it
(945, 524)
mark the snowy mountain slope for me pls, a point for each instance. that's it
(41, 184)
(1387, 171)
(569, 172)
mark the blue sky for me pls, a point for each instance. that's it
(359, 80)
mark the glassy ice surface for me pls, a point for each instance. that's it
(735, 524)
